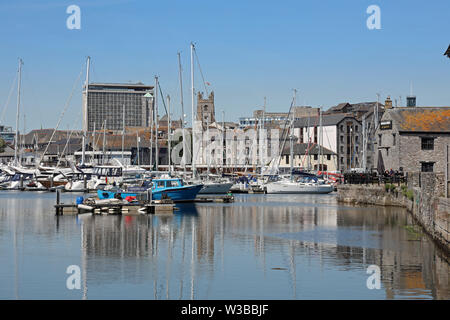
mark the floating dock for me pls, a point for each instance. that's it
(114, 208)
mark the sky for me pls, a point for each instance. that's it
(248, 50)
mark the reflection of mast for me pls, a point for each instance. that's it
(293, 267)
(182, 257)
(192, 260)
(84, 261)
(16, 270)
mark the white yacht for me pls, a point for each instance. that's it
(305, 184)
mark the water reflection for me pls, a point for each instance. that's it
(261, 246)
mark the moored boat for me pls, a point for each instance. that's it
(173, 189)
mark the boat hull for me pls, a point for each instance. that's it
(216, 188)
(296, 188)
(181, 194)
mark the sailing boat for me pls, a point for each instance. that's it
(305, 183)
(217, 186)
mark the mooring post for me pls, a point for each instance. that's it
(58, 209)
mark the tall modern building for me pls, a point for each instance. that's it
(106, 102)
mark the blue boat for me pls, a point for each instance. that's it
(161, 188)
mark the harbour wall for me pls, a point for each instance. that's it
(423, 197)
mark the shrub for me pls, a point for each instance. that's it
(410, 195)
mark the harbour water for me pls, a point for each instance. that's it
(259, 247)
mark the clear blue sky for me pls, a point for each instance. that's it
(247, 49)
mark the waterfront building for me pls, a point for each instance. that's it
(280, 118)
(342, 134)
(413, 139)
(305, 154)
(107, 100)
(7, 134)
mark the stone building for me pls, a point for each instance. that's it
(413, 139)
(205, 109)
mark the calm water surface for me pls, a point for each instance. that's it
(259, 247)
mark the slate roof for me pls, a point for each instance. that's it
(421, 119)
(327, 120)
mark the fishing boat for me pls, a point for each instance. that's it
(173, 189)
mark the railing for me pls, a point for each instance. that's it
(375, 178)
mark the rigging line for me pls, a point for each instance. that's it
(70, 136)
(60, 118)
(201, 73)
(9, 98)
(164, 103)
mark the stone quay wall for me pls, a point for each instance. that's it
(425, 202)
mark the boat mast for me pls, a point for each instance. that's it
(291, 137)
(156, 123)
(18, 111)
(85, 122)
(168, 131)
(182, 115)
(123, 133)
(192, 106)
(320, 140)
(223, 135)
(104, 140)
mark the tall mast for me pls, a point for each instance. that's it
(291, 140)
(85, 106)
(223, 136)
(168, 131)
(320, 141)
(192, 106)
(182, 114)
(104, 140)
(123, 133)
(18, 111)
(156, 124)
(137, 145)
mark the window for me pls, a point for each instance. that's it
(316, 157)
(287, 159)
(379, 139)
(356, 128)
(427, 143)
(328, 156)
(393, 139)
(342, 160)
(342, 139)
(427, 166)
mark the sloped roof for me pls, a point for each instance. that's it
(327, 120)
(421, 119)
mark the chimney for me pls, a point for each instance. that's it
(411, 101)
(388, 103)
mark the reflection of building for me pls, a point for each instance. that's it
(106, 102)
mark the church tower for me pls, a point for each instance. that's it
(205, 109)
